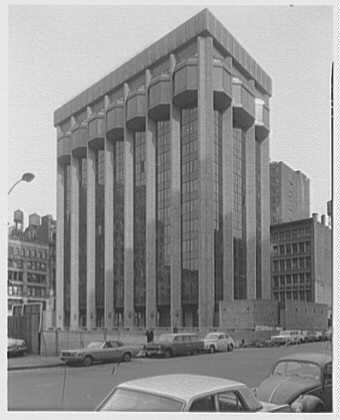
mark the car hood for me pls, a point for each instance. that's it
(284, 389)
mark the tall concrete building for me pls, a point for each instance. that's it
(289, 194)
(301, 261)
(163, 185)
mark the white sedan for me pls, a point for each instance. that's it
(182, 392)
(218, 341)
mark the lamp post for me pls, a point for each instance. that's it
(27, 177)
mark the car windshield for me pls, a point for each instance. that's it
(304, 370)
(95, 345)
(165, 337)
(212, 336)
(130, 400)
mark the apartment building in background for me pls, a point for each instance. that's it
(163, 186)
(31, 261)
(301, 261)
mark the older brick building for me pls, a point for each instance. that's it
(163, 185)
(301, 261)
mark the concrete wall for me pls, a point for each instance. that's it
(304, 316)
(246, 314)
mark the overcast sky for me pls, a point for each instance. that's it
(55, 52)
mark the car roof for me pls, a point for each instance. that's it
(181, 386)
(319, 358)
(182, 333)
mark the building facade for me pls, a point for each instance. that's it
(301, 261)
(163, 185)
(289, 194)
(31, 261)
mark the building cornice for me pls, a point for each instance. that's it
(204, 24)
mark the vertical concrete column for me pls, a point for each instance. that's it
(128, 223)
(227, 203)
(91, 240)
(265, 219)
(175, 173)
(108, 237)
(74, 313)
(60, 248)
(250, 212)
(150, 143)
(206, 162)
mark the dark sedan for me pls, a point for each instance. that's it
(302, 380)
(16, 347)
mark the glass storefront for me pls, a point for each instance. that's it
(67, 247)
(118, 233)
(82, 241)
(163, 226)
(218, 215)
(239, 216)
(139, 227)
(99, 260)
(190, 214)
(258, 220)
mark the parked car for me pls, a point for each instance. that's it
(16, 347)
(287, 337)
(181, 392)
(302, 380)
(328, 334)
(309, 336)
(176, 344)
(218, 341)
(101, 351)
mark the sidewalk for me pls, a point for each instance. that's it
(33, 362)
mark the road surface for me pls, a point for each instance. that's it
(81, 388)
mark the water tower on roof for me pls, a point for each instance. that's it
(19, 219)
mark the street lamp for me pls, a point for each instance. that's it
(27, 177)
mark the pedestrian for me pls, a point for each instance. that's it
(175, 329)
(147, 333)
(151, 336)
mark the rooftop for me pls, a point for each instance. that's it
(319, 358)
(204, 23)
(181, 386)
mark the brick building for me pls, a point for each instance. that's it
(31, 261)
(163, 185)
(301, 261)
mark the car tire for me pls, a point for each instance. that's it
(212, 349)
(167, 353)
(88, 361)
(126, 357)
(319, 408)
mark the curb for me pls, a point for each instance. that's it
(30, 367)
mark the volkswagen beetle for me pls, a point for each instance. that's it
(302, 380)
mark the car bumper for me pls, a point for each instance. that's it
(154, 352)
(72, 359)
(16, 351)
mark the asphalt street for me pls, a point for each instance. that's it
(81, 388)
